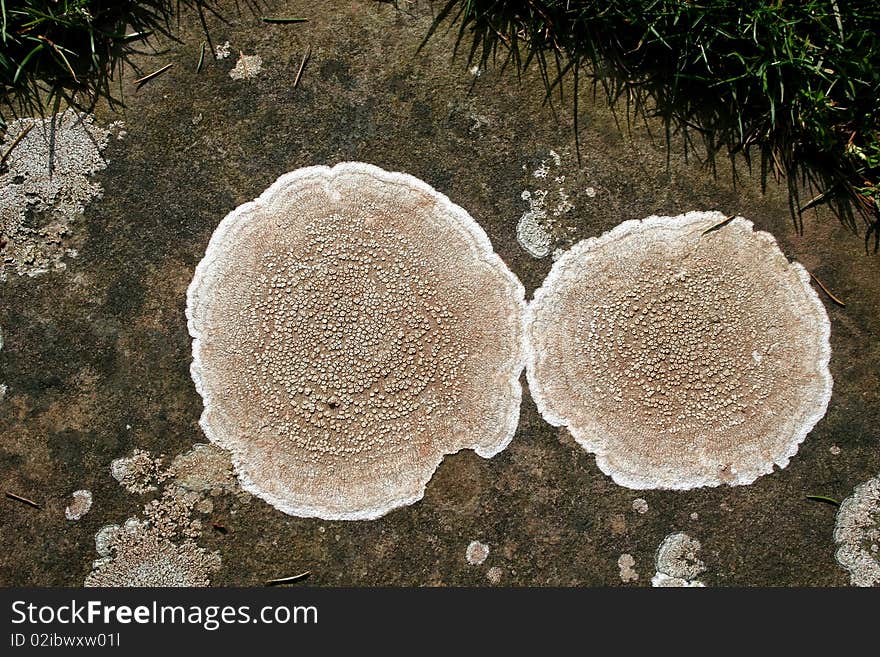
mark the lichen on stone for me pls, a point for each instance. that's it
(536, 228)
(857, 534)
(640, 505)
(44, 189)
(138, 473)
(678, 562)
(627, 573)
(203, 469)
(82, 502)
(247, 66)
(137, 554)
(351, 327)
(223, 50)
(476, 553)
(171, 514)
(680, 357)
(532, 235)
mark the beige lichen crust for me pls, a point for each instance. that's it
(48, 171)
(80, 506)
(678, 562)
(680, 357)
(857, 534)
(137, 554)
(351, 327)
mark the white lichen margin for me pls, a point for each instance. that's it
(467, 227)
(567, 267)
(857, 534)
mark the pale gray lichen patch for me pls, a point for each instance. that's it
(857, 534)
(531, 233)
(352, 327)
(678, 562)
(537, 226)
(247, 66)
(157, 549)
(137, 554)
(661, 580)
(642, 343)
(223, 50)
(82, 503)
(476, 553)
(204, 469)
(640, 505)
(171, 514)
(138, 473)
(627, 573)
(38, 204)
(494, 574)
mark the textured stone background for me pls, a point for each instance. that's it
(103, 346)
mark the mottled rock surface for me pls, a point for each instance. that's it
(96, 358)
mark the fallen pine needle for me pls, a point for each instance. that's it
(150, 76)
(827, 291)
(15, 142)
(201, 58)
(19, 498)
(823, 498)
(289, 580)
(719, 225)
(302, 65)
(268, 19)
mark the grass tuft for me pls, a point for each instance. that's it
(54, 51)
(792, 86)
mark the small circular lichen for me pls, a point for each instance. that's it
(857, 534)
(680, 355)
(678, 562)
(82, 503)
(476, 553)
(351, 327)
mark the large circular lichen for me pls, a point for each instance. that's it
(351, 327)
(680, 355)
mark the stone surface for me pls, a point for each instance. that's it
(104, 346)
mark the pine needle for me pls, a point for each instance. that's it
(24, 500)
(302, 65)
(827, 291)
(141, 81)
(289, 580)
